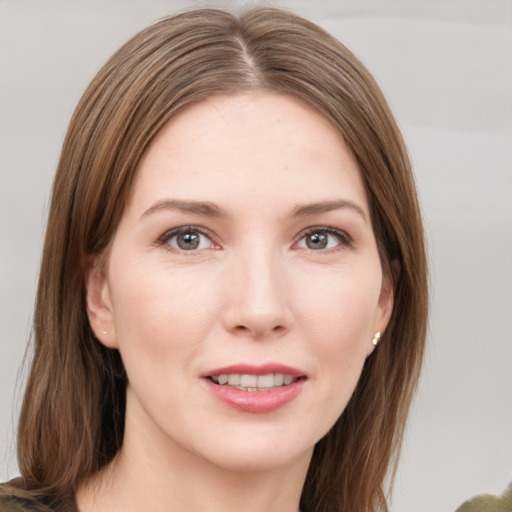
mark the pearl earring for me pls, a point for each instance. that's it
(375, 339)
(105, 333)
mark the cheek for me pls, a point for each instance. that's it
(339, 307)
(338, 319)
(158, 312)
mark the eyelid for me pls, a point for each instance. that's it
(345, 239)
(170, 233)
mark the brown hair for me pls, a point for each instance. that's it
(72, 417)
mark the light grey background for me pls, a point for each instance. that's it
(446, 68)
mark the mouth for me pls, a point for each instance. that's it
(252, 382)
(256, 389)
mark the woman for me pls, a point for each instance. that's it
(232, 301)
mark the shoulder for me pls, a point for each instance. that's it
(489, 503)
(14, 499)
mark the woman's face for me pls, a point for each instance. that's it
(243, 285)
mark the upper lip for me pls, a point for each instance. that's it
(250, 369)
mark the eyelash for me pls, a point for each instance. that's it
(345, 240)
(168, 235)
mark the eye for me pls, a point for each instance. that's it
(321, 239)
(187, 238)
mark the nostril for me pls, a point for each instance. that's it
(259, 331)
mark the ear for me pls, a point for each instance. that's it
(386, 302)
(99, 304)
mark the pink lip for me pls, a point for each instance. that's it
(249, 369)
(257, 402)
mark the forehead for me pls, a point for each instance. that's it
(268, 145)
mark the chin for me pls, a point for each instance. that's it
(260, 461)
(257, 450)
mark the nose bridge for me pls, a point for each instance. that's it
(258, 291)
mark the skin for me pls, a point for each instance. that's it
(253, 291)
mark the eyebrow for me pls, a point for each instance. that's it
(327, 206)
(204, 208)
(209, 209)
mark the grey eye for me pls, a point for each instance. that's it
(189, 240)
(323, 238)
(317, 240)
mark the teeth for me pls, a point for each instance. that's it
(266, 381)
(234, 379)
(248, 382)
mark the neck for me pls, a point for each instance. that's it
(152, 473)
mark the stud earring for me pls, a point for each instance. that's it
(105, 333)
(375, 339)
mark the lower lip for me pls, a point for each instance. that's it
(257, 402)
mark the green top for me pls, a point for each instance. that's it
(489, 503)
(14, 499)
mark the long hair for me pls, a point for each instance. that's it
(72, 418)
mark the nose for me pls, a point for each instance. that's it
(257, 296)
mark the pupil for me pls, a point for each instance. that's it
(317, 241)
(188, 241)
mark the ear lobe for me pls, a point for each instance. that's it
(385, 303)
(99, 305)
(386, 300)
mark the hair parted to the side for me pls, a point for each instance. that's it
(72, 417)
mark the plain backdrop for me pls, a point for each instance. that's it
(446, 69)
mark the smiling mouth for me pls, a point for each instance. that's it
(248, 382)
